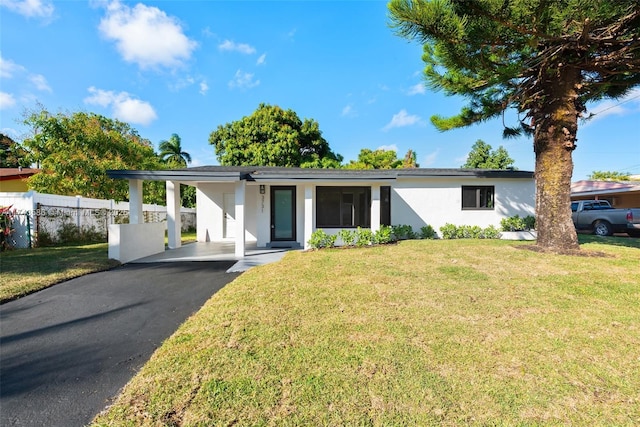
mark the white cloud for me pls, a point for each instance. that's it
(8, 68)
(6, 100)
(207, 32)
(430, 159)
(123, 105)
(390, 147)
(146, 35)
(262, 60)
(402, 119)
(349, 111)
(613, 107)
(182, 83)
(418, 89)
(204, 87)
(30, 8)
(231, 46)
(11, 132)
(243, 80)
(40, 82)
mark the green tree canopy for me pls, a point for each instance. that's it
(172, 154)
(483, 157)
(544, 58)
(271, 136)
(12, 155)
(75, 150)
(382, 159)
(609, 176)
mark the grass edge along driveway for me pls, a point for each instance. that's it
(25, 271)
(421, 333)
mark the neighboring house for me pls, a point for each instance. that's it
(619, 194)
(15, 179)
(282, 207)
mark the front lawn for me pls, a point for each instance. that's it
(449, 333)
(28, 270)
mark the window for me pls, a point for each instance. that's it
(385, 205)
(338, 207)
(478, 197)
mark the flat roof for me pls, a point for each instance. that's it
(258, 173)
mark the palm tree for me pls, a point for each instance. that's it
(171, 152)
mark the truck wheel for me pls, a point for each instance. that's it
(602, 228)
(634, 233)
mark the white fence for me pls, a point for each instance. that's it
(36, 213)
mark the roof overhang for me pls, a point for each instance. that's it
(248, 173)
(183, 175)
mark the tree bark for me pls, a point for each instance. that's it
(556, 126)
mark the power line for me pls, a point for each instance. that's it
(615, 105)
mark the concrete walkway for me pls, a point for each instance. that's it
(211, 251)
(67, 350)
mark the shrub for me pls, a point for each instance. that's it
(383, 235)
(491, 232)
(364, 237)
(6, 230)
(319, 239)
(427, 232)
(450, 231)
(403, 232)
(515, 223)
(530, 222)
(348, 237)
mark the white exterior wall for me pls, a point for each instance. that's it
(128, 242)
(210, 203)
(437, 202)
(416, 202)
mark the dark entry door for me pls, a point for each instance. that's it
(283, 213)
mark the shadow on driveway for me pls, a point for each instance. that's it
(67, 350)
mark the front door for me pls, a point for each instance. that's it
(283, 213)
(229, 213)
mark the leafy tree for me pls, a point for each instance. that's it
(483, 157)
(271, 136)
(75, 151)
(544, 58)
(11, 154)
(375, 159)
(382, 159)
(172, 154)
(609, 176)
(410, 160)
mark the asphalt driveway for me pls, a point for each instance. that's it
(66, 351)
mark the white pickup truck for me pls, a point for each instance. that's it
(604, 220)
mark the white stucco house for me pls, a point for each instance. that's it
(282, 207)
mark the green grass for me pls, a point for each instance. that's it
(28, 270)
(420, 333)
(25, 271)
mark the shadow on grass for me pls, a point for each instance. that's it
(629, 242)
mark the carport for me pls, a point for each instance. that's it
(218, 251)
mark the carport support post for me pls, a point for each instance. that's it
(375, 207)
(240, 202)
(135, 201)
(174, 222)
(308, 215)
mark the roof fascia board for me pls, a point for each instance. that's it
(159, 175)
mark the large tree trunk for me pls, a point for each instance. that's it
(556, 126)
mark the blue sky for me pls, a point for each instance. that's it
(187, 67)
